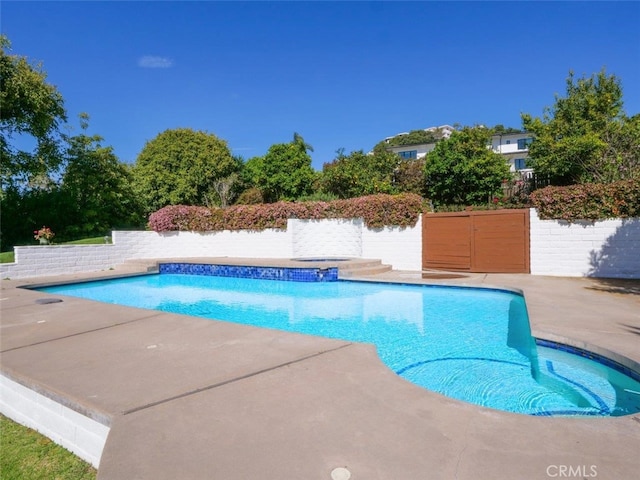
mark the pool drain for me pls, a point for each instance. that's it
(45, 301)
(340, 473)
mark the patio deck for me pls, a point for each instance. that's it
(198, 399)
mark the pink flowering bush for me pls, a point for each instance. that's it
(589, 201)
(183, 217)
(376, 210)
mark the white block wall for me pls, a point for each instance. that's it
(38, 261)
(77, 433)
(303, 238)
(326, 238)
(603, 249)
(399, 247)
(265, 244)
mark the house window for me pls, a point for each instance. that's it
(508, 142)
(524, 143)
(409, 154)
(520, 163)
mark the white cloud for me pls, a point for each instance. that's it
(151, 61)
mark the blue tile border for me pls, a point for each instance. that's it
(591, 356)
(262, 273)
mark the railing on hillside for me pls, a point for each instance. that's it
(535, 181)
(523, 183)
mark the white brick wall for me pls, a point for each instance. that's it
(302, 238)
(605, 249)
(77, 433)
(609, 248)
(267, 244)
(39, 261)
(326, 238)
(399, 247)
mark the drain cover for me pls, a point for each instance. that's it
(340, 473)
(44, 301)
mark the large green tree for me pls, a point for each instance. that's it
(97, 188)
(180, 166)
(461, 170)
(285, 172)
(92, 195)
(31, 111)
(359, 173)
(585, 136)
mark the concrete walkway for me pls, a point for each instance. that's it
(188, 398)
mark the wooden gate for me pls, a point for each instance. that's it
(495, 241)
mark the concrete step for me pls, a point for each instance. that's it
(141, 265)
(363, 269)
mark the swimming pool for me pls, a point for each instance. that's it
(471, 344)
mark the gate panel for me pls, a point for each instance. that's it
(446, 242)
(494, 241)
(501, 242)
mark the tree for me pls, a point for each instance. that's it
(501, 129)
(180, 166)
(409, 176)
(585, 136)
(97, 188)
(299, 141)
(285, 172)
(462, 170)
(31, 108)
(621, 155)
(92, 195)
(359, 174)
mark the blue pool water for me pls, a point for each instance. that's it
(471, 344)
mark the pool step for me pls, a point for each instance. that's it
(363, 268)
(142, 265)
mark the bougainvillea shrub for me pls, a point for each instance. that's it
(377, 211)
(589, 201)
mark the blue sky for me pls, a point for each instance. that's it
(342, 74)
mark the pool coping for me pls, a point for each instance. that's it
(447, 423)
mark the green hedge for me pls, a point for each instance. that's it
(377, 211)
(589, 201)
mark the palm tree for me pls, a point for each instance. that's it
(298, 140)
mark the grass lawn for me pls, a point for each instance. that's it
(9, 257)
(28, 455)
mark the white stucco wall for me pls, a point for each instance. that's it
(604, 249)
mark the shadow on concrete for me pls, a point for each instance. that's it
(616, 285)
(615, 260)
(631, 328)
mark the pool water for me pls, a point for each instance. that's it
(470, 344)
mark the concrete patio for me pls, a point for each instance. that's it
(188, 398)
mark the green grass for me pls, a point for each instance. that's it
(28, 455)
(9, 257)
(88, 241)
